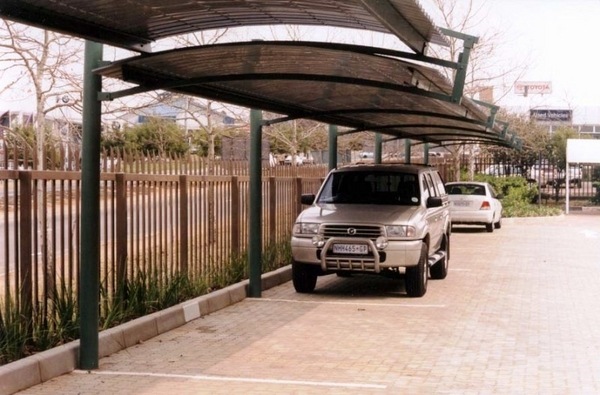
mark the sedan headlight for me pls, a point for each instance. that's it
(400, 231)
(305, 229)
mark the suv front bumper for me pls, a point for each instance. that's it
(398, 253)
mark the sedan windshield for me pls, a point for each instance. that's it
(371, 188)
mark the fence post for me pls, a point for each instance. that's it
(298, 195)
(121, 231)
(183, 224)
(235, 215)
(25, 301)
(272, 231)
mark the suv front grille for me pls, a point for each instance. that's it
(364, 231)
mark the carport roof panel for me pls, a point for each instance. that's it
(136, 23)
(363, 88)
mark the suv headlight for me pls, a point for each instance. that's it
(400, 231)
(306, 229)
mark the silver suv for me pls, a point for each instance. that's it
(374, 218)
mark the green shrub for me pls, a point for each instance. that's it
(518, 196)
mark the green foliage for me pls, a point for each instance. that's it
(558, 143)
(155, 137)
(518, 196)
(13, 334)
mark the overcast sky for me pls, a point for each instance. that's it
(559, 37)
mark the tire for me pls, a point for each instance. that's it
(304, 277)
(416, 277)
(489, 227)
(498, 224)
(439, 271)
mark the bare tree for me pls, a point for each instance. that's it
(46, 65)
(485, 69)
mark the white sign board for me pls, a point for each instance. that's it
(583, 151)
(533, 87)
(580, 151)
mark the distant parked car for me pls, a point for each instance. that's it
(501, 170)
(289, 159)
(474, 203)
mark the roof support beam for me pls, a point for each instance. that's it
(396, 23)
(463, 62)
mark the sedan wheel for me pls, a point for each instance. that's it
(498, 224)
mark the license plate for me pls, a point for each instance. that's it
(355, 249)
(462, 203)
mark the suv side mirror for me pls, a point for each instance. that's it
(307, 199)
(434, 201)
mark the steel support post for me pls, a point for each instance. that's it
(89, 289)
(255, 212)
(426, 153)
(333, 131)
(378, 148)
(407, 150)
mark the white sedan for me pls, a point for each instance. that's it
(474, 203)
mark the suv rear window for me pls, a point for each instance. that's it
(371, 188)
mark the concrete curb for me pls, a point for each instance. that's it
(41, 367)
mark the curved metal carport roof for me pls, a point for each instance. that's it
(363, 88)
(135, 24)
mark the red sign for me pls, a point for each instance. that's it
(533, 88)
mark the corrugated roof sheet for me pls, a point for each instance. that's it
(346, 85)
(134, 23)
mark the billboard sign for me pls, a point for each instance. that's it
(533, 87)
(555, 116)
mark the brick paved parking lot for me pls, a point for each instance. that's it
(518, 314)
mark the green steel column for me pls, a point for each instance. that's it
(90, 210)
(407, 149)
(378, 148)
(255, 215)
(426, 153)
(333, 130)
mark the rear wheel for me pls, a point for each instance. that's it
(416, 276)
(304, 277)
(498, 224)
(439, 271)
(489, 227)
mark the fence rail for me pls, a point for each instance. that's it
(156, 224)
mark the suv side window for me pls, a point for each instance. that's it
(426, 189)
(439, 182)
(432, 189)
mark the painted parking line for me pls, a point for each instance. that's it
(590, 234)
(332, 384)
(322, 302)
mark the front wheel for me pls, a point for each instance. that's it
(304, 277)
(416, 276)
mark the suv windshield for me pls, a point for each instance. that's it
(368, 187)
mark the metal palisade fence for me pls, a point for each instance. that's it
(160, 217)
